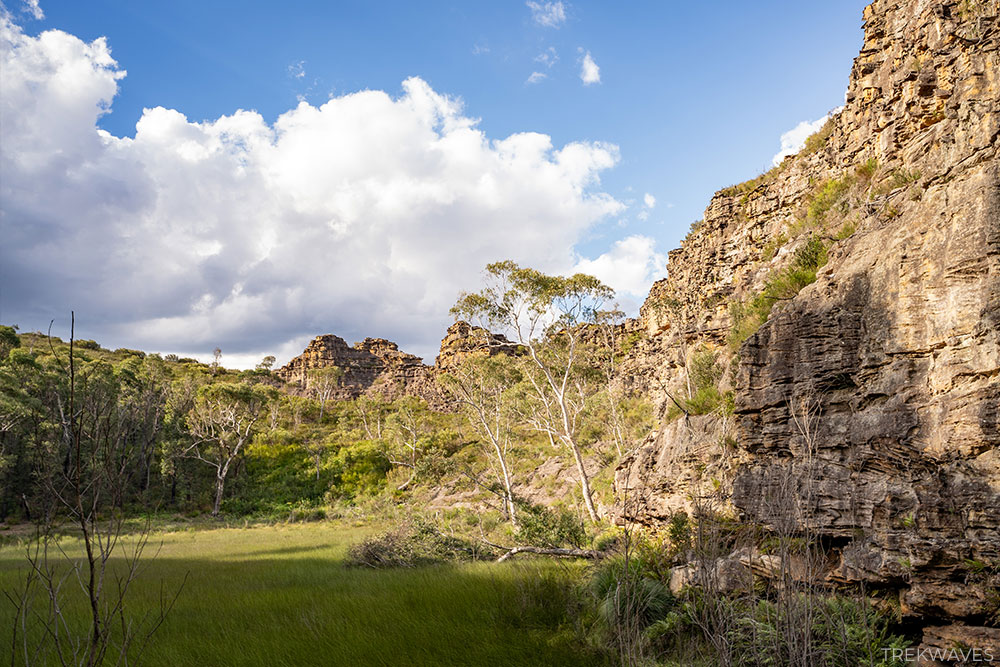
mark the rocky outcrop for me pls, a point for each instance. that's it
(681, 462)
(377, 365)
(360, 368)
(374, 364)
(870, 399)
(958, 644)
(463, 340)
(362, 364)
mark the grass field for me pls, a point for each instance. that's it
(282, 596)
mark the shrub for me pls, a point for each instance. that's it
(867, 170)
(746, 187)
(549, 527)
(772, 247)
(410, 545)
(817, 140)
(972, 9)
(704, 401)
(695, 226)
(626, 596)
(630, 342)
(747, 317)
(829, 194)
(845, 232)
(704, 370)
(899, 178)
(705, 375)
(679, 529)
(360, 469)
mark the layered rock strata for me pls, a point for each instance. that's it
(868, 401)
(378, 365)
(364, 363)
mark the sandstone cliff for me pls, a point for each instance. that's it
(363, 364)
(463, 340)
(378, 365)
(873, 393)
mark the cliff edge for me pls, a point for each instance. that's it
(848, 302)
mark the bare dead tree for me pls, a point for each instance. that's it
(101, 441)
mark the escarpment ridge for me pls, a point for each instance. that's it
(851, 299)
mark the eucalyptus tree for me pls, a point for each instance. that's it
(222, 421)
(482, 384)
(323, 382)
(551, 317)
(372, 411)
(26, 427)
(409, 427)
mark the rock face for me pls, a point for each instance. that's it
(464, 340)
(363, 363)
(961, 644)
(378, 365)
(870, 398)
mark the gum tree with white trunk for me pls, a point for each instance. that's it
(550, 317)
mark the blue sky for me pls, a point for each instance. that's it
(694, 96)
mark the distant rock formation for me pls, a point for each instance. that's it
(362, 364)
(378, 365)
(464, 340)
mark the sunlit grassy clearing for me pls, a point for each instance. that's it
(281, 596)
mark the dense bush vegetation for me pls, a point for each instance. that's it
(723, 613)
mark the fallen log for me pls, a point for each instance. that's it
(544, 551)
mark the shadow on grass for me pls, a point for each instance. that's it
(281, 551)
(314, 611)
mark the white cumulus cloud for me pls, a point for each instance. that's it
(34, 9)
(364, 216)
(631, 266)
(649, 200)
(589, 71)
(793, 140)
(547, 14)
(537, 77)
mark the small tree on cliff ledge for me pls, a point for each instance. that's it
(548, 316)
